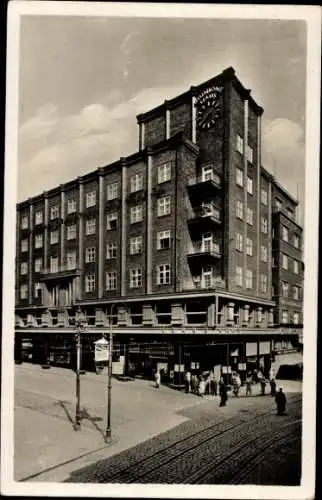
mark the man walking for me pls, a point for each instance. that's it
(187, 382)
(249, 383)
(280, 399)
(223, 393)
(273, 387)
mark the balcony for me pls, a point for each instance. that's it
(206, 186)
(206, 216)
(208, 282)
(205, 253)
(58, 273)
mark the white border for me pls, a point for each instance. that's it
(312, 15)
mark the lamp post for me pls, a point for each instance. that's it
(79, 326)
(108, 432)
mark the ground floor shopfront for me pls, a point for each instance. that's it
(174, 352)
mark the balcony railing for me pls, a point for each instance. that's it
(205, 185)
(205, 282)
(206, 251)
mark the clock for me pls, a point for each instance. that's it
(209, 108)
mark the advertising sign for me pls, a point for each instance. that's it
(101, 350)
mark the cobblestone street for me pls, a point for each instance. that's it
(157, 435)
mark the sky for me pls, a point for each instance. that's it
(83, 80)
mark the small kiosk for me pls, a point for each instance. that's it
(101, 355)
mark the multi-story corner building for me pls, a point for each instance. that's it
(181, 243)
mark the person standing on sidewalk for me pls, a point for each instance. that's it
(157, 379)
(187, 382)
(213, 385)
(280, 400)
(263, 385)
(249, 383)
(273, 387)
(202, 387)
(223, 393)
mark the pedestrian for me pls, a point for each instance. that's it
(202, 387)
(213, 386)
(157, 379)
(193, 383)
(223, 394)
(263, 385)
(249, 384)
(187, 382)
(280, 400)
(271, 374)
(236, 383)
(255, 376)
(273, 387)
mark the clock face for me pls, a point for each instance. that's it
(208, 109)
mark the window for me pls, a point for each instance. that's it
(54, 212)
(111, 280)
(207, 173)
(264, 225)
(263, 283)
(112, 191)
(136, 183)
(249, 278)
(111, 221)
(24, 292)
(264, 196)
(164, 206)
(296, 267)
(71, 205)
(38, 291)
(239, 144)
(135, 278)
(296, 318)
(38, 217)
(24, 222)
(164, 172)
(285, 233)
(91, 199)
(111, 250)
(290, 213)
(163, 274)
(284, 316)
(263, 253)
(54, 237)
(24, 245)
(278, 205)
(296, 293)
(250, 216)
(284, 261)
(38, 241)
(239, 276)
(91, 226)
(296, 240)
(163, 240)
(207, 240)
(136, 245)
(71, 231)
(24, 268)
(71, 260)
(38, 265)
(136, 214)
(207, 277)
(90, 281)
(239, 209)
(239, 242)
(250, 185)
(90, 254)
(250, 153)
(285, 288)
(239, 177)
(54, 264)
(249, 246)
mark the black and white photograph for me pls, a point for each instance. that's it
(160, 250)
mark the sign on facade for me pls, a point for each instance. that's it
(101, 350)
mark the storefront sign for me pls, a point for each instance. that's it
(226, 369)
(101, 350)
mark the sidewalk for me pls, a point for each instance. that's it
(46, 444)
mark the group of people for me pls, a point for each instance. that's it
(209, 385)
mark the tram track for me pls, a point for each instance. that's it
(177, 460)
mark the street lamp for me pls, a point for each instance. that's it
(79, 323)
(109, 387)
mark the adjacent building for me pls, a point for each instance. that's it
(188, 247)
